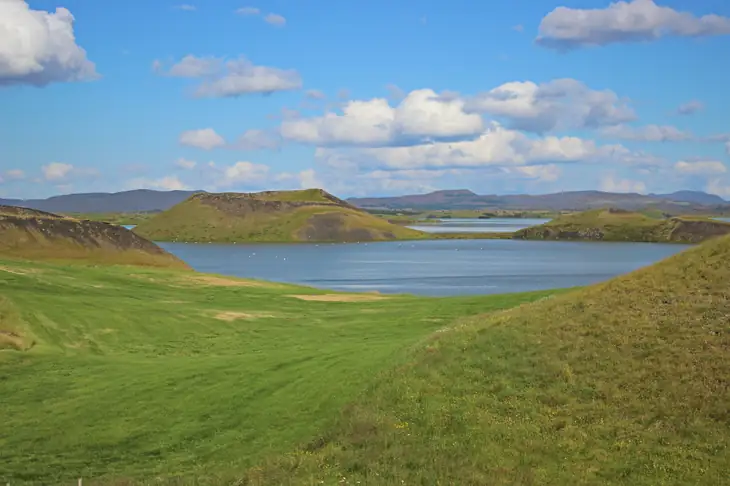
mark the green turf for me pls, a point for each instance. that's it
(622, 383)
(122, 373)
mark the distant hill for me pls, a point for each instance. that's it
(119, 202)
(677, 203)
(622, 225)
(32, 234)
(276, 216)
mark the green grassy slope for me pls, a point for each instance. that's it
(37, 235)
(135, 374)
(624, 382)
(284, 216)
(616, 225)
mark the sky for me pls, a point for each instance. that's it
(364, 97)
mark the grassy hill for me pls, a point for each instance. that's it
(620, 225)
(32, 234)
(274, 216)
(624, 382)
(126, 375)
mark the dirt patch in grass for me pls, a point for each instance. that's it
(9, 339)
(340, 297)
(227, 282)
(230, 316)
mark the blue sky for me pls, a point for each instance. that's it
(364, 97)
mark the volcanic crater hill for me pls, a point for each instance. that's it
(620, 225)
(32, 234)
(271, 216)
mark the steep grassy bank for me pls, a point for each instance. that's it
(619, 225)
(119, 373)
(37, 235)
(276, 216)
(624, 382)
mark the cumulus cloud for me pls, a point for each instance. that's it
(700, 167)
(185, 164)
(557, 104)
(243, 174)
(315, 94)
(186, 7)
(421, 116)
(543, 173)
(38, 47)
(624, 21)
(257, 140)
(609, 183)
(14, 175)
(648, 133)
(690, 107)
(248, 11)
(167, 183)
(235, 77)
(205, 138)
(718, 187)
(56, 171)
(496, 146)
(275, 19)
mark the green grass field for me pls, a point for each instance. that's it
(621, 383)
(130, 374)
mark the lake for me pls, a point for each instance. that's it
(434, 268)
(473, 225)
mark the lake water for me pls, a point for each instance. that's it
(435, 268)
(129, 226)
(473, 225)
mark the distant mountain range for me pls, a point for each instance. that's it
(139, 200)
(575, 200)
(149, 200)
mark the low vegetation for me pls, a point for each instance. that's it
(276, 216)
(32, 234)
(127, 375)
(122, 219)
(620, 225)
(624, 382)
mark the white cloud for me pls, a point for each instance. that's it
(557, 104)
(236, 77)
(610, 184)
(14, 175)
(543, 173)
(421, 116)
(306, 179)
(497, 146)
(275, 19)
(185, 164)
(624, 21)
(38, 47)
(56, 171)
(257, 140)
(648, 133)
(186, 7)
(718, 187)
(248, 11)
(205, 139)
(167, 183)
(244, 173)
(690, 107)
(700, 167)
(315, 94)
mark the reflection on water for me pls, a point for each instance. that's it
(437, 267)
(472, 225)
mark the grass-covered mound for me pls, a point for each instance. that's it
(625, 382)
(31, 234)
(274, 216)
(124, 375)
(620, 225)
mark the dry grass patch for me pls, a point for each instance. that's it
(18, 271)
(227, 282)
(230, 316)
(9, 339)
(340, 297)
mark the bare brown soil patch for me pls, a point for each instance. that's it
(230, 316)
(340, 297)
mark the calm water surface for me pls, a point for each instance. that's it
(472, 225)
(435, 268)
